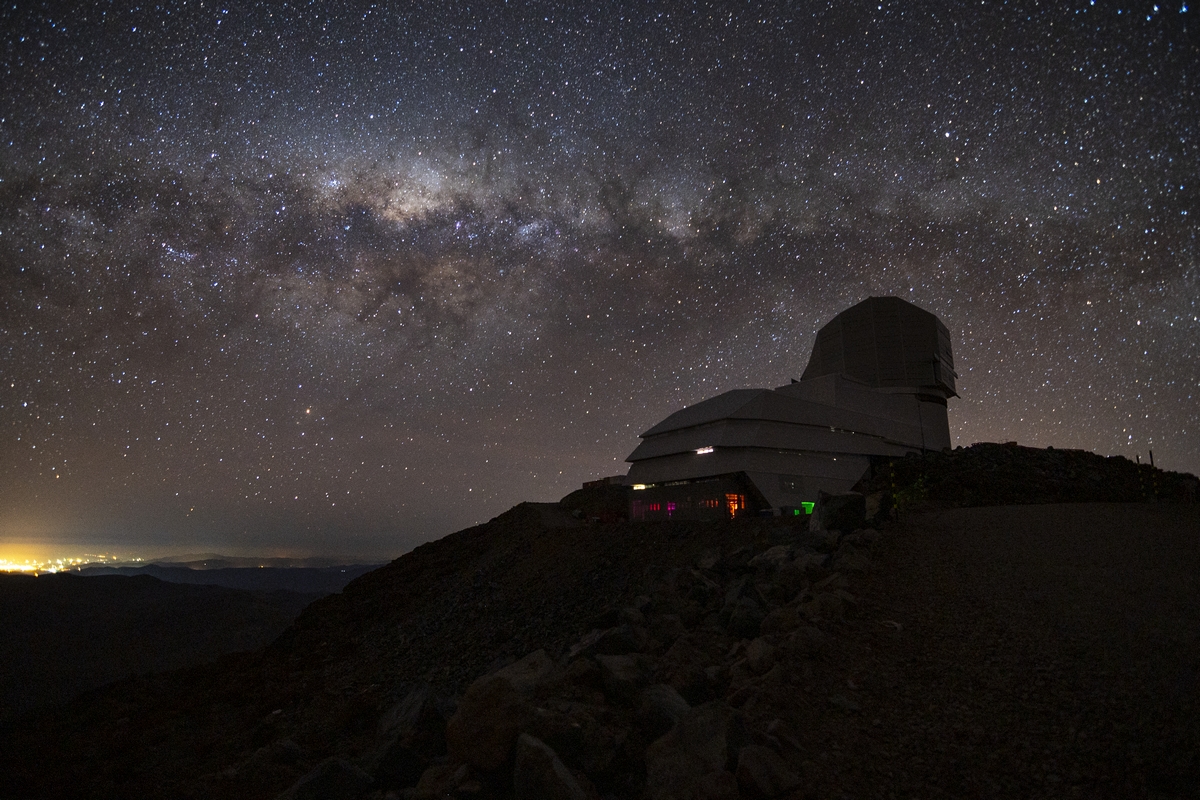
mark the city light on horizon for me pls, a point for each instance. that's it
(62, 563)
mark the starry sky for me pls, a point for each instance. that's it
(338, 278)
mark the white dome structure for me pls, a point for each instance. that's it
(877, 384)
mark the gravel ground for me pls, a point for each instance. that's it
(1022, 651)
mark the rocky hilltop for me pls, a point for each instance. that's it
(989, 474)
(1012, 651)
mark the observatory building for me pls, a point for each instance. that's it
(876, 385)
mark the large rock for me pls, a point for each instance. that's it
(683, 667)
(762, 773)
(840, 512)
(745, 617)
(719, 785)
(661, 708)
(773, 558)
(333, 779)
(624, 676)
(782, 620)
(806, 640)
(760, 656)
(401, 764)
(586, 737)
(403, 717)
(412, 735)
(539, 774)
(681, 763)
(850, 559)
(809, 561)
(283, 751)
(484, 729)
(446, 780)
(610, 642)
(530, 672)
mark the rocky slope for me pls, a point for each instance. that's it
(1020, 651)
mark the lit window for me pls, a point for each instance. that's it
(735, 503)
(702, 450)
(637, 487)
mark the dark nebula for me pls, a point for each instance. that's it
(342, 277)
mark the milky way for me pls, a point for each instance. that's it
(335, 278)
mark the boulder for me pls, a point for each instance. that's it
(840, 512)
(530, 672)
(610, 642)
(633, 616)
(718, 785)
(661, 707)
(826, 605)
(283, 751)
(401, 764)
(850, 559)
(539, 774)
(821, 540)
(863, 537)
(874, 506)
(760, 656)
(679, 762)
(806, 640)
(745, 618)
(810, 563)
(624, 676)
(708, 559)
(443, 780)
(667, 627)
(683, 667)
(781, 620)
(332, 779)
(738, 588)
(774, 558)
(484, 729)
(585, 737)
(845, 703)
(762, 773)
(786, 582)
(403, 717)
(562, 731)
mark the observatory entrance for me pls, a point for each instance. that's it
(712, 498)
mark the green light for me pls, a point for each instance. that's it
(808, 507)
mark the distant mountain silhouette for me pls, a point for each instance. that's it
(219, 561)
(62, 634)
(306, 580)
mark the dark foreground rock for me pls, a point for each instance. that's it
(1034, 651)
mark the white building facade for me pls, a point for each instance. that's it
(877, 384)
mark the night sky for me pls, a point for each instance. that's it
(340, 278)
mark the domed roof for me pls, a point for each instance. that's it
(886, 343)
